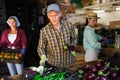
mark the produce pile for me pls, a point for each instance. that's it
(71, 49)
(101, 70)
(57, 74)
(9, 55)
(49, 73)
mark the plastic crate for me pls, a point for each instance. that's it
(28, 74)
(10, 55)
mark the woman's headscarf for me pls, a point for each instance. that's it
(16, 19)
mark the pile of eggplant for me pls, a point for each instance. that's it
(100, 71)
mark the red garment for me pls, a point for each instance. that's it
(19, 43)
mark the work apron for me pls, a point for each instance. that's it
(91, 55)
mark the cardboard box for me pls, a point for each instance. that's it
(115, 25)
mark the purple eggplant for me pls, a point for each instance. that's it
(94, 69)
(72, 48)
(113, 74)
(89, 76)
(104, 69)
(98, 65)
(104, 78)
(97, 77)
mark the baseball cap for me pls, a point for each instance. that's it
(54, 7)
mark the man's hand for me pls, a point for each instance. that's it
(43, 59)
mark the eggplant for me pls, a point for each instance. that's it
(94, 69)
(97, 77)
(98, 65)
(89, 76)
(104, 69)
(113, 74)
(104, 78)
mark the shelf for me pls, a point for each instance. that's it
(103, 4)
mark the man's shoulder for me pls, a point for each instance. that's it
(65, 21)
(46, 27)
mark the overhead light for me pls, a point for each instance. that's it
(98, 11)
(118, 8)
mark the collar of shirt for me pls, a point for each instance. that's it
(61, 24)
(90, 28)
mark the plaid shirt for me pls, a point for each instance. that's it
(51, 43)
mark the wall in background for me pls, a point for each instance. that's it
(106, 17)
(109, 16)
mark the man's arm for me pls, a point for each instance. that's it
(41, 48)
(73, 35)
(41, 44)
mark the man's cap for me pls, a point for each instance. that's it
(53, 7)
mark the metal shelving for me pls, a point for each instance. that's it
(103, 4)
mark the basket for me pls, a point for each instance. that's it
(29, 74)
(9, 55)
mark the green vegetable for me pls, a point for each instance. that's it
(116, 68)
(101, 73)
(80, 71)
(65, 47)
(36, 77)
(108, 64)
(80, 76)
(52, 76)
(73, 53)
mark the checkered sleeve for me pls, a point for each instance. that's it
(73, 34)
(41, 43)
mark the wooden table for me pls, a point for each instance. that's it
(110, 51)
(16, 77)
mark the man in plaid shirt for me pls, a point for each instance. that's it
(53, 37)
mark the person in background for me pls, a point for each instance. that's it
(91, 41)
(14, 38)
(54, 36)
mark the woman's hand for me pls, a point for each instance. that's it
(23, 51)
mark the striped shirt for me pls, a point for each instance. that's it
(51, 43)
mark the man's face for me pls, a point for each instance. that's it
(54, 17)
